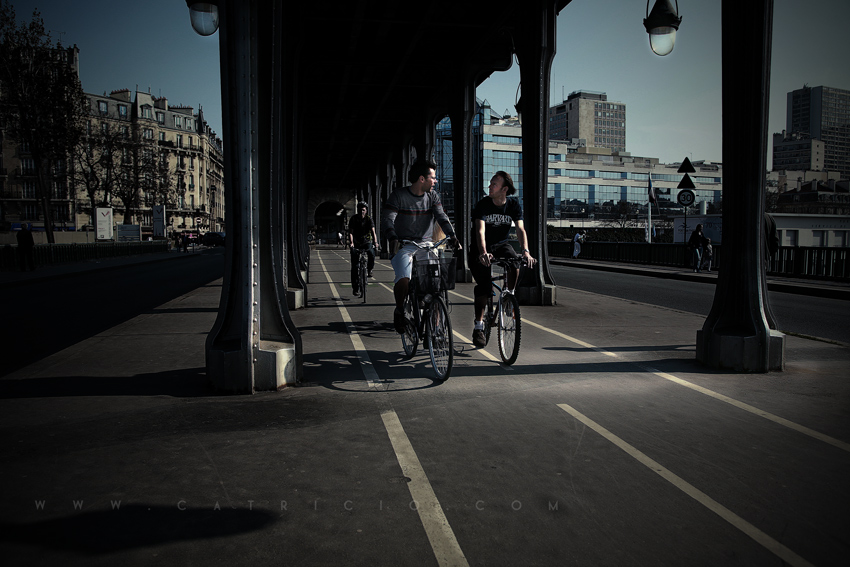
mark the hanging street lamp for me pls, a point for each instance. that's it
(661, 25)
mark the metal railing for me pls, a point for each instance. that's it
(49, 254)
(791, 261)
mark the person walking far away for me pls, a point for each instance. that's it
(409, 213)
(492, 217)
(26, 246)
(707, 255)
(696, 243)
(361, 234)
(577, 240)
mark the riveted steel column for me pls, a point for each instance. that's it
(252, 345)
(462, 115)
(736, 334)
(535, 43)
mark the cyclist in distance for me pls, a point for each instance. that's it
(361, 233)
(492, 217)
(410, 213)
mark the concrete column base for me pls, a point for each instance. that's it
(741, 353)
(275, 366)
(229, 372)
(295, 298)
(537, 295)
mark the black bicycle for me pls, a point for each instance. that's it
(362, 269)
(504, 312)
(426, 306)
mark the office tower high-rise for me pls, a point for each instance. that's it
(590, 116)
(823, 113)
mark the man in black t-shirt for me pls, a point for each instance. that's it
(492, 218)
(361, 234)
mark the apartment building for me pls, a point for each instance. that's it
(182, 137)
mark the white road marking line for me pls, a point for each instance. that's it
(759, 536)
(717, 396)
(478, 350)
(752, 409)
(443, 541)
(371, 376)
(442, 538)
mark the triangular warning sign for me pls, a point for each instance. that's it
(687, 167)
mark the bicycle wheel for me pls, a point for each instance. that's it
(509, 328)
(410, 337)
(362, 277)
(440, 339)
(488, 322)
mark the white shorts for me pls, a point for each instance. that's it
(403, 260)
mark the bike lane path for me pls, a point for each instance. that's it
(446, 429)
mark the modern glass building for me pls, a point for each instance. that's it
(585, 182)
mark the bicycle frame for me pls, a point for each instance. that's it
(428, 319)
(505, 313)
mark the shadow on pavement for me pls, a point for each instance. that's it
(182, 383)
(134, 526)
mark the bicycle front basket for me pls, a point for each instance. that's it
(435, 275)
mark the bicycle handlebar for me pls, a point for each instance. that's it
(425, 245)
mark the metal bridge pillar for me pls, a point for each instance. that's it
(737, 333)
(253, 344)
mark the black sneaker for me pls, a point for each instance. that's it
(356, 293)
(370, 275)
(478, 338)
(399, 321)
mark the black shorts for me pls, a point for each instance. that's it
(481, 273)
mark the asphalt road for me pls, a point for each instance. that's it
(798, 314)
(44, 317)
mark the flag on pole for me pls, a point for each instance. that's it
(652, 198)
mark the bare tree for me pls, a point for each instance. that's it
(94, 168)
(42, 103)
(137, 170)
(622, 215)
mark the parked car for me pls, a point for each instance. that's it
(212, 239)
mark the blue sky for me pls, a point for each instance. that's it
(673, 102)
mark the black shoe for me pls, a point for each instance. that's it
(399, 321)
(356, 293)
(370, 275)
(478, 338)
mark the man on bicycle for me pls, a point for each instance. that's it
(361, 235)
(492, 218)
(409, 213)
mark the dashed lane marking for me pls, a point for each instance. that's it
(440, 535)
(759, 536)
(717, 396)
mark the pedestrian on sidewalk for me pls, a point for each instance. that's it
(26, 247)
(707, 255)
(577, 240)
(696, 243)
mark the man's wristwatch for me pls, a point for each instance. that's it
(526, 250)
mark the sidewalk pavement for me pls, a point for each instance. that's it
(49, 272)
(115, 452)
